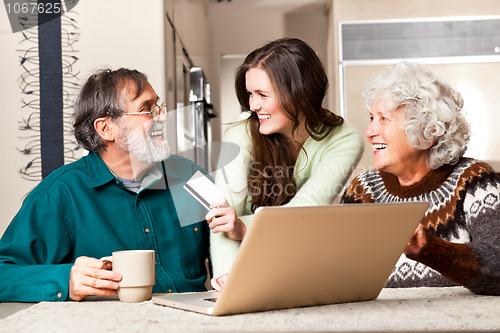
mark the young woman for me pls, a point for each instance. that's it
(292, 151)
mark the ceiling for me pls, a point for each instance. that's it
(267, 6)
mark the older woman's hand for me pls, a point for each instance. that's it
(417, 242)
(222, 218)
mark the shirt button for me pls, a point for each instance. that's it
(59, 295)
(195, 229)
(146, 230)
(117, 182)
(170, 290)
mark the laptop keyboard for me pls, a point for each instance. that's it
(212, 299)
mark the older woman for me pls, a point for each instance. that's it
(419, 135)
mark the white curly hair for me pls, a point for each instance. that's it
(433, 110)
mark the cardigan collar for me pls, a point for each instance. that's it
(431, 181)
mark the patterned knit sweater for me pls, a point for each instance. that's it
(462, 224)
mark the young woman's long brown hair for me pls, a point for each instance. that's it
(300, 82)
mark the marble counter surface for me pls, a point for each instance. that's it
(398, 310)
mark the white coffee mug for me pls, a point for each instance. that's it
(137, 268)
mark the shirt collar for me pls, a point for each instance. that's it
(99, 172)
(152, 176)
(174, 166)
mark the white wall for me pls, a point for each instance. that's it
(114, 33)
(353, 10)
(311, 27)
(14, 187)
(476, 82)
(228, 101)
(234, 36)
(191, 21)
(123, 33)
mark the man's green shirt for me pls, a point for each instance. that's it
(82, 209)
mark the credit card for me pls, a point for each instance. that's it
(203, 189)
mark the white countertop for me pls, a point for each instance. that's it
(401, 310)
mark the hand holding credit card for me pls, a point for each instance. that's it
(202, 189)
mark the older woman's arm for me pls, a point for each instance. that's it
(476, 264)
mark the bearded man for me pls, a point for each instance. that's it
(123, 195)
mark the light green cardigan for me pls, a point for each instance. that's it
(320, 176)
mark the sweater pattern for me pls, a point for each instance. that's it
(459, 195)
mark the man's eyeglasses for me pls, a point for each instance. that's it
(155, 112)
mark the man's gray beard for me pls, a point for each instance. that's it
(142, 146)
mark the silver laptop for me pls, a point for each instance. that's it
(304, 256)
